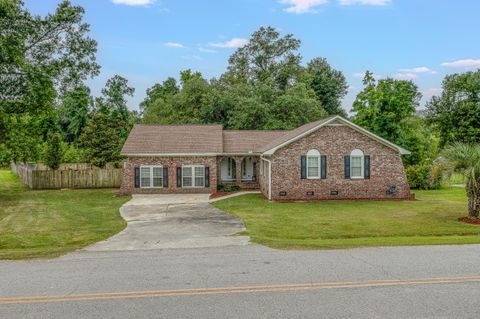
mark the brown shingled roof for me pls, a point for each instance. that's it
(173, 139)
(244, 141)
(213, 140)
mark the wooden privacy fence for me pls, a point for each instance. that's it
(39, 176)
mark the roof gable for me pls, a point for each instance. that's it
(309, 128)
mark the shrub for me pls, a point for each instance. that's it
(72, 154)
(224, 189)
(5, 156)
(426, 175)
(54, 152)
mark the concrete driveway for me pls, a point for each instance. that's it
(173, 221)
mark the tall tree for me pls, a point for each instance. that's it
(54, 150)
(73, 112)
(114, 98)
(456, 112)
(159, 91)
(329, 85)
(266, 55)
(40, 54)
(101, 139)
(40, 59)
(383, 107)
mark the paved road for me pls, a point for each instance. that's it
(247, 282)
(173, 221)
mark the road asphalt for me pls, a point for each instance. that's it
(246, 282)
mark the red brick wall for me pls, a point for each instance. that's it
(335, 142)
(263, 177)
(128, 184)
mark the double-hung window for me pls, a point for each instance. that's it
(356, 164)
(151, 176)
(313, 164)
(193, 176)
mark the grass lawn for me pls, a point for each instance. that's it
(431, 219)
(49, 223)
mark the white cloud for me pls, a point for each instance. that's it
(206, 50)
(302, 6)
(405, 76)
(174, 45)
(134, 2)
(364, 2)
(233, 43)
(467, 63)
(420, 69)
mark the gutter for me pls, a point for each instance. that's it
(269, 176)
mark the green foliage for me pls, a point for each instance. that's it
(73, 112)
(72, 154)
(425, 175)
(42, 60)
(100, 138)
(40, 51)
(330, 85)
(456, 112)
(465, 159)
(264, 87)
(225, 189)
(113, 103)
(5, 156)
(267, 55)
(54, 152)
(384, 106)
(159, 91)
(421, 140)
(23, 140)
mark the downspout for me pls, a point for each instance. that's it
(269, 176)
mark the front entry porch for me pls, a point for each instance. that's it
(238, 170)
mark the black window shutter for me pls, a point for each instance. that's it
(136, 171)
(347, 166)
(323, 165)
(165, 176)
(366, 173)
(207, 176)
(179, 177)
(303, 167)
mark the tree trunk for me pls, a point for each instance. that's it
(473, 203)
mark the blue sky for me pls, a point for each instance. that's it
(147, 41)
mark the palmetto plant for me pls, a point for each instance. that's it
(465, 159)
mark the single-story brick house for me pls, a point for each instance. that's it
(331, 158)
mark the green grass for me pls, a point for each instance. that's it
(431, 219)
(49, 223)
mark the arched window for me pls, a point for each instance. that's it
(356, 164)
(313, 164)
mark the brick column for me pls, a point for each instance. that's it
(238, 169)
